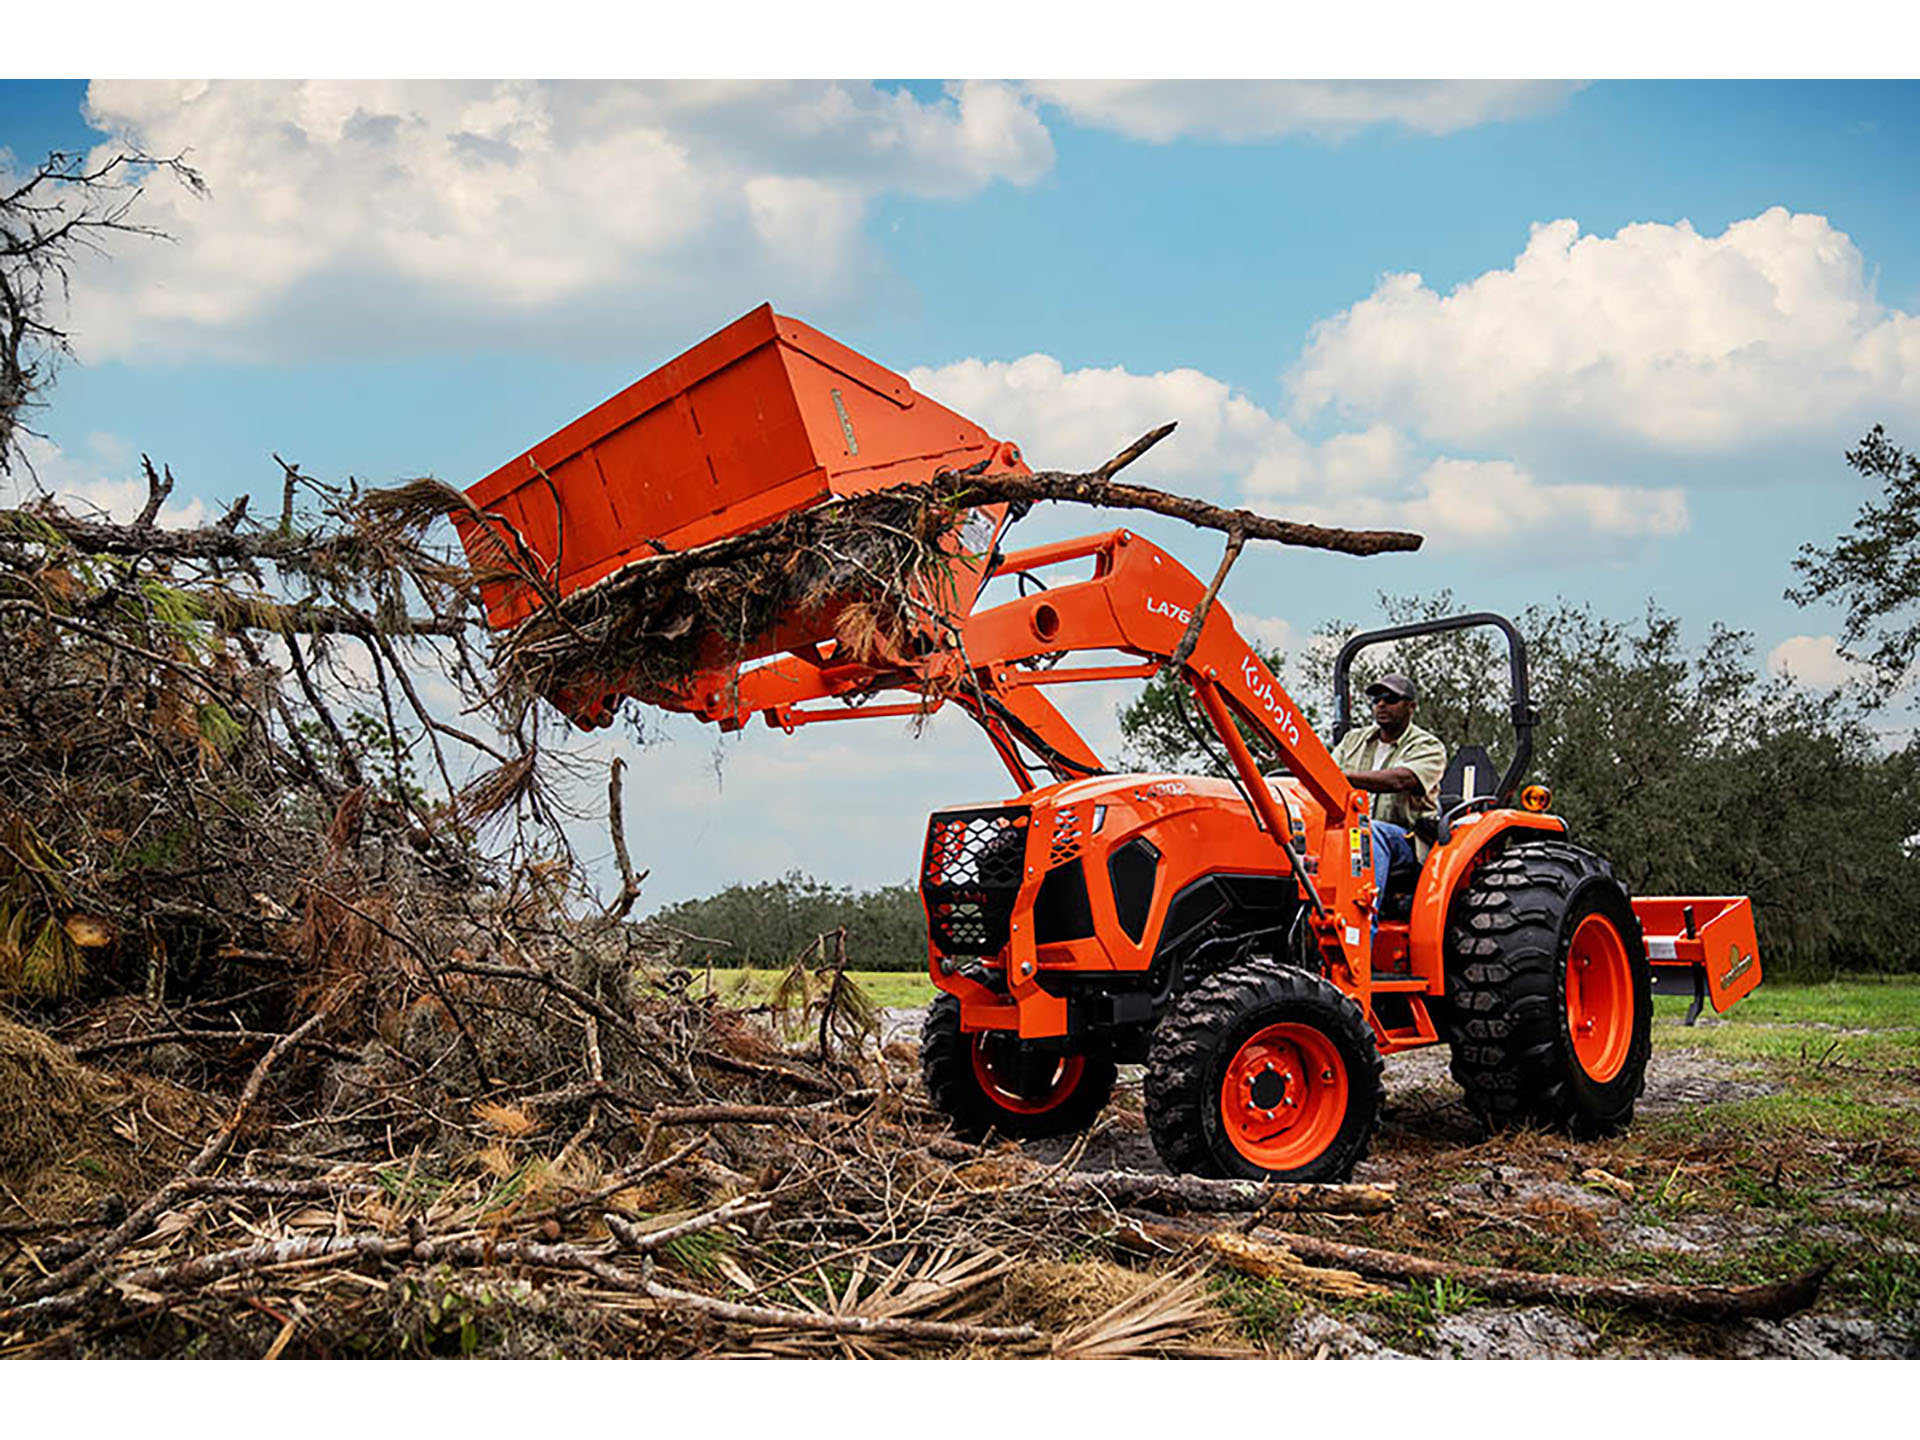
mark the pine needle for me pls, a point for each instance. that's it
(1167, 1317)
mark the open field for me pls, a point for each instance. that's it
(891, 989)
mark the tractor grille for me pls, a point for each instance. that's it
(974, 863)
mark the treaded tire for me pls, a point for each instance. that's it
(1196, 1044)
(954, 1085)
(1509, 934)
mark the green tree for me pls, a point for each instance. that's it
(1874, 569)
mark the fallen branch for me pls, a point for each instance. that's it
(645, 1242)
(1680, 1302)
(1249, 1257)
(1196, 622)
(1192, 1193)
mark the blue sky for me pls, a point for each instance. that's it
(1650, 400)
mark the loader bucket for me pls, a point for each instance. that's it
(764, 418)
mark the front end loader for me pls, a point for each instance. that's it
(1225, 931)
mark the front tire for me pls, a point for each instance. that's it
(1264, 1072)
(1550, 992)
(972, 1079)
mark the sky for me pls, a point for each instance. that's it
(1604, 342)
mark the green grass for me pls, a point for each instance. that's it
(894, 989)
(1863, 1021)
(1858, 1002)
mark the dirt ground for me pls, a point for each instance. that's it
(1698, 1190)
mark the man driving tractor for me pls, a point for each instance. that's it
(1400, 763)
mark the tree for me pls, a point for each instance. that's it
(1874, 569)
(64, 208)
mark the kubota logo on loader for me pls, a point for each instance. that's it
(1263, 694)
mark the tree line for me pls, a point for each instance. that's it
(770, 924)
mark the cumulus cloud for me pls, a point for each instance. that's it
(1074, 419)
(1268, 632)
(1232, 449)
(1815, 662)
(1265, 109)
(349, 214)
(1687, 341)
(1463, 504)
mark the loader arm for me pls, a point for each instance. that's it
(1138, 601)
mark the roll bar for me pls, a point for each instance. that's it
(1524, 716)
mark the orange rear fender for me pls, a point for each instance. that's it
(1447, 868)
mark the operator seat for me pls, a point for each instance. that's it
(1470, 775)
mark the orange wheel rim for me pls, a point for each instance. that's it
(1599, 998)
(997, 1080)
(1284, 1097)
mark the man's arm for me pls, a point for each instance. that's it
(1423, 760)
(1395, 780)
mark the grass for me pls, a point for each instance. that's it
(1863, 1021)
(894, 989)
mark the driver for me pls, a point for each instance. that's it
(1400, 763)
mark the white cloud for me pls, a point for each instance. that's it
(1264, 109)
(1815, 662)
(1687, 341)
(1232, 449)
(1467, 504)
(350, 214)
(1074, 420)
(104, 481)
(1268, 632)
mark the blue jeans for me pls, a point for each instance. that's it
(1392, 850)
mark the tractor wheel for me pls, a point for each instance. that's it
(975, 1080)
(1263, 1072)
(1549, 992)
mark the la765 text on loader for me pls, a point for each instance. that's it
(1225, 932)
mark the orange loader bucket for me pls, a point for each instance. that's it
(764, 418)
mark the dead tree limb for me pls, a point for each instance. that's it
(645, 1242)
(617, 826)
(1094, 487)
(1680, 1302)
(141, 1220)
(1196, 622)
(1191, 1193)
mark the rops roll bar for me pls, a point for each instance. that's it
(1525, 717)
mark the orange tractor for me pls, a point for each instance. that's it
(1225, 932)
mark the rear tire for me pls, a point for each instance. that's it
(971, 1079)
(1548, 991)
(1264, 1072)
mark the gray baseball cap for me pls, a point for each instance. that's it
(1398, 686)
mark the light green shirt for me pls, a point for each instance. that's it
(1417, 750)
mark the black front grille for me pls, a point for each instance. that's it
(970, 875)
